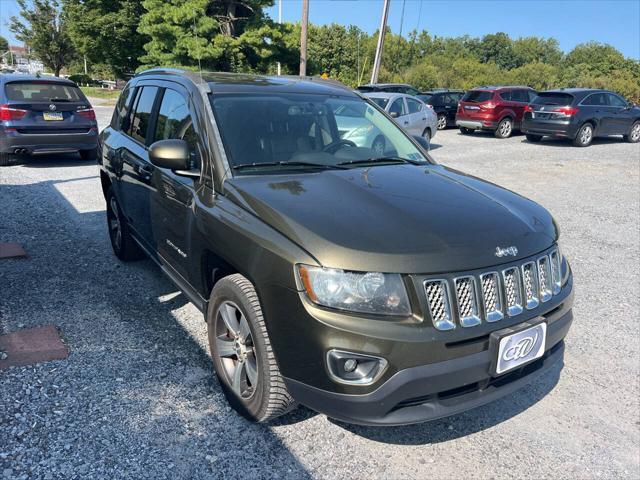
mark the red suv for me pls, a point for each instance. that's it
(493, 108)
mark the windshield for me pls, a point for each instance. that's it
(264, 133)
(42, 91)
(380, 101)
(553, 99)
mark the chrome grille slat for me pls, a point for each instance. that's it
(555, 271)
(544, 279)
(467, 302)
(491, 296)
(439, 305)
(512, 291)
(530, 285)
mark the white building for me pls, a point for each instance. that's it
(17, 58)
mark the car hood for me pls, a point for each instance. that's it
(397, 218)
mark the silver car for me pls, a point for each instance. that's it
(409, 112)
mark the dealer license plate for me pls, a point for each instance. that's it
(524, 346)
(55, 116)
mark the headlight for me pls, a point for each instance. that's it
(377, 293)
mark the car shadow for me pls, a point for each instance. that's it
(434, 146)
(152, 387)
(565, 142)
(49, 161)
(456, 426)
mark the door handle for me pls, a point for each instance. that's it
(406, 123)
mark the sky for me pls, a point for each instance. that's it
(569, 21)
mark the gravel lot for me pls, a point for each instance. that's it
(136, 398)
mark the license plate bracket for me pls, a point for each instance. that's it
(52, 116)
(518, 346)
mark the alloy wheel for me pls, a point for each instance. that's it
(505, 128)
(635, 133)
(442, 122)
(586, 134)
(235, 347)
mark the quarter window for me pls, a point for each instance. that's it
(414, 106)
(142, 116)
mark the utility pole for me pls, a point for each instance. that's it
(383, 28)
(279, 23)
(303, 37)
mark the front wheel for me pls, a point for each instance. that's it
(584, 136)
(466, 131)
(533, 138)
(505, 128)
(242, 354)
(123, 244)
(442, 121)
(634, 134)
(427, 135)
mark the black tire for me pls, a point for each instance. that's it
(505, 128)
(442, 121)
(8, 159)
(91, 154)
(466, 131)
(233, 352)
(634, 133)
(533, 138)
(378, 145)
(584, 136)
(125, 247)
(427, 134)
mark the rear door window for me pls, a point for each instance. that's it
(414, 105)
(596, 99)
(141, 117)
(506, 96)
(43, 91)
(477, 96)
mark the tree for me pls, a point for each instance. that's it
(497, 48)
(535, 49)
(43, 29)
(228, 35)
(4, 45)
(106, 33)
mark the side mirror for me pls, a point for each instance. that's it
(394, 114)
(171, 154)
(424, 143)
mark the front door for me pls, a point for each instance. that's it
(618, 115)
(417, 115)
(174, 195)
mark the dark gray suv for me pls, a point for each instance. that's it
(377, 287)
(44, 115)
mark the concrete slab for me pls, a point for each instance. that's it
(11, 250)
(32, 345)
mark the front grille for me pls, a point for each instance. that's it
(439, 306)
(469, 300)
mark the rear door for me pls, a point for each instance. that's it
(50, 107)
(417, 116)
(595, 107)
(136, 171)
(174, 195)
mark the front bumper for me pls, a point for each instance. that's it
(40, 144)
(433, 391)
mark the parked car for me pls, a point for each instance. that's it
(44, 115)
(378, 290)
(445, 103)
(499, 109)
(408, 111)
(388, 88)
(581, 114)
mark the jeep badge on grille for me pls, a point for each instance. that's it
(505, 252)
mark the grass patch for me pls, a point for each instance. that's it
(98, 92)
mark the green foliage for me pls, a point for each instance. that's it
(4, 45)
(106, 33)
(44, 30)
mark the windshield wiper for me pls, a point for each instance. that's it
(382, 160)
(288, 163)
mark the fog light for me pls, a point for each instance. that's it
(354, 368)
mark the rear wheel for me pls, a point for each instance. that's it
(8, 159)
(533, 138)
(505, 128)
(584, 136)
(466, 131)
(442, 121)
(242, 354)
(123, 244)
(634, 134)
